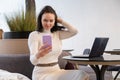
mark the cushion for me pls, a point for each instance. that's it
(5, 75)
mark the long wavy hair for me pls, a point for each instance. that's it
(47, 9)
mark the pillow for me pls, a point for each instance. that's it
(5, 75)
(63, 64)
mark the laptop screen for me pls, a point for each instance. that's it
(98, 47)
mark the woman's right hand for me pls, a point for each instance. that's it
(43, 50)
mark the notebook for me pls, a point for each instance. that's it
(97, 49)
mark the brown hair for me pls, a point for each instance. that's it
(47, 9)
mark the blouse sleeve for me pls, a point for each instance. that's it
(69, 32)
(33, 44)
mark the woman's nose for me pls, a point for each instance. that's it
(48, 23)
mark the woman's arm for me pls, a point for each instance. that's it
(37, 52)
(33, 47)
(71, 31)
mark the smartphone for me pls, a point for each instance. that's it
(47, 40)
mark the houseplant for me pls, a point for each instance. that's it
(20, 25)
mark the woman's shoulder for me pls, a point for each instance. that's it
(33, 33)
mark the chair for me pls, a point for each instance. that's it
(86, 51)
(63, 64)
(67, 65)
(114, 68)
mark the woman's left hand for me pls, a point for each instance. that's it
(43, 50)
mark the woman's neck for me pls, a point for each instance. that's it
(46, 31)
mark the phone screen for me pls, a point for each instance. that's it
(47, 40)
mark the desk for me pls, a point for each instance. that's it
(68, 50)
(104, 61)
(113, 52)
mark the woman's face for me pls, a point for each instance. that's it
(48, 20)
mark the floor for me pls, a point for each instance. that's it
(114, 73)
(108, 75)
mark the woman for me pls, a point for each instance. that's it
(45, 56)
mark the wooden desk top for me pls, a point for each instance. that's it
(113, 52)
(68, 50)
(105, 60)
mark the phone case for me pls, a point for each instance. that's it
(47, 40)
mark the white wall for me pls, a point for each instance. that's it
(9, 7)
(93, 18)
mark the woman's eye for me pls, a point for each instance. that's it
(45, 20)
(48, 20)
(51, 20)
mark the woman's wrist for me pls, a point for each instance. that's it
(38, 55)
(59, 20)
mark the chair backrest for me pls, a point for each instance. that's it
(114, 68)
(86, 51)
(63, 64)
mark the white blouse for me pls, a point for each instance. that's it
(52, 72)
(35, 41)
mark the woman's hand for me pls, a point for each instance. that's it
(43, 50)
(59, 20)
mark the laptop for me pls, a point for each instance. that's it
(97, 49)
